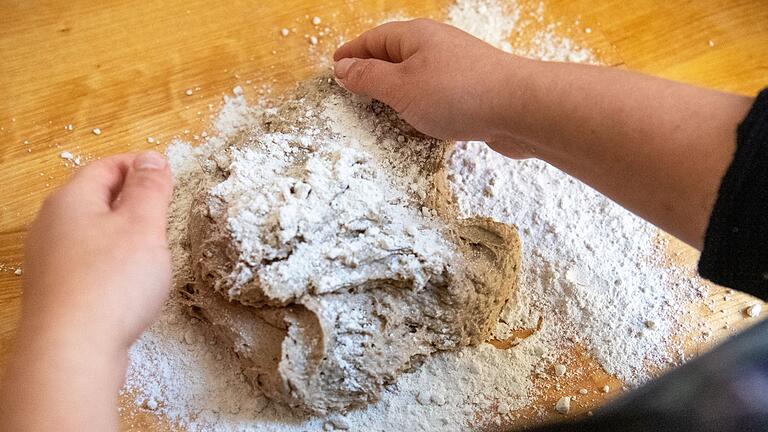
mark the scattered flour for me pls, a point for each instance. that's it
(591, 274)
(591, 270)
(753, 311)
(75, 160)
(496, 23)
(563, 405)
(487, 20)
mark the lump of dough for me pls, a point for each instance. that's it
(327, 253)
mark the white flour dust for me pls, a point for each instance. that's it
(590, 275)
(591, 270)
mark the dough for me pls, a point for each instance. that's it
(326, 251)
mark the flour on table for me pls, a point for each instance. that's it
(590, 275)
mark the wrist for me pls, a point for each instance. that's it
(54, 372)
(506, 111)
(76, 347)
(525, 114)
(76, 312)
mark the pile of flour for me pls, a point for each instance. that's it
(591, 275)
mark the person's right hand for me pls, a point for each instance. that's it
(444, 82)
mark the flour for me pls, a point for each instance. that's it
(272, 189)
(495, 23)
(563, 405)
(560, 370)
(487, 20)
(588, 274)
(753, 311)
(75, 160)
(591, 275)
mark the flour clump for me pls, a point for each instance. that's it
(326, 252)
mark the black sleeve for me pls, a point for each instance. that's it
(735, 250)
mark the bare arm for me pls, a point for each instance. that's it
(657, 147)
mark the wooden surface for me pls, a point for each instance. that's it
(124, 67)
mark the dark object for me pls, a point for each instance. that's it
(736, 245)
(725, 390)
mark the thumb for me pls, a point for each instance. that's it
(375, 78)
(146, 191)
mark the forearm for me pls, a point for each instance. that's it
(657, 147)
(60, 380)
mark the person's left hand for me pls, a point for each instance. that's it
(97, 264)
(97, 270)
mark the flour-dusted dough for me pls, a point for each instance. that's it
(327, 254)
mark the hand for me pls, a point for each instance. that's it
(444, 82)
(97, 260)
(96, 273)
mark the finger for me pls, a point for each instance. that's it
(146, 191)
(370, 77)
(393, 42)
(98, 183)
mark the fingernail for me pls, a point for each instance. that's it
(149, 161)
(341, 67)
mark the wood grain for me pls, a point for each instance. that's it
(124, 67)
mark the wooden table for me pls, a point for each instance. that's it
(124, 67)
